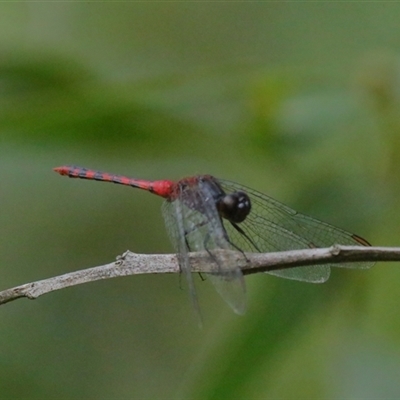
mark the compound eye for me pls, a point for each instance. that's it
(234, 207)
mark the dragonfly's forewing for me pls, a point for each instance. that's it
(272, 226)
(193, 224)
(174, 222)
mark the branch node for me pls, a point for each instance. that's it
(335, 250)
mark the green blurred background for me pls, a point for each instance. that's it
(297, 100)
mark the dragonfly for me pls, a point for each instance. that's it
(206, 214)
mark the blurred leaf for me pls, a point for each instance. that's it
(51, 100)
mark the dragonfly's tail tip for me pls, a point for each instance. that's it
(66, 169)
(60, 170)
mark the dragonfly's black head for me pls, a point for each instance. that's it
(234, 207)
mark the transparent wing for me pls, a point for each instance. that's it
(272, 226)
(193, 224)
(173, 217)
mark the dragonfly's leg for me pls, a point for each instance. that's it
(213, 258)
(242, 232)
(231, 243)
(195, 226)
(226, 237)
(202, 277)
(189, 248)
(186, 242)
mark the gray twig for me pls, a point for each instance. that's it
(133, 264)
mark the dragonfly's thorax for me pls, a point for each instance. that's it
(198, 192)
(204, 190)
